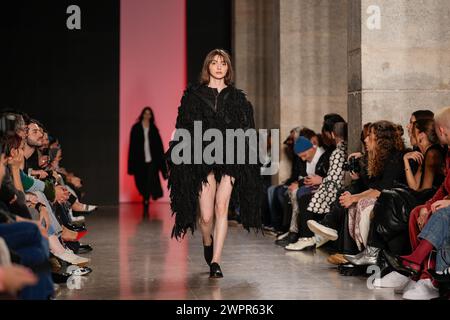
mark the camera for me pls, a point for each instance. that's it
(352, 165)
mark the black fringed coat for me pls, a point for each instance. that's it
(232, 111)
(136, 156)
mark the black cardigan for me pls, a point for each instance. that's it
(136, 155)
(228, 110)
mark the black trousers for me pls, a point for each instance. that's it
(304, 215)
(147, 181)
(337, 219)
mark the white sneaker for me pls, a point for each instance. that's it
(78, 219)
(320, 241)
(70, 257)
(90, 208)
(75, 219)
(391, 280)
(424, 290)
(321, 230)
(301, 244)
(411, 284)
(282, 236)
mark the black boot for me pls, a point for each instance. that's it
(208, 251)
(214, 271)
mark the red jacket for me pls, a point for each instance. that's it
(444, 189)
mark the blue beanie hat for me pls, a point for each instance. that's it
(302, 144)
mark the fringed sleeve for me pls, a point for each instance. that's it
(183, 179)
(250, 185)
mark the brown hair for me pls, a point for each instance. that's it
(10, 142)
(386, 134)
(204, 76)
(365, 131)
(399, 142)
(426, 126)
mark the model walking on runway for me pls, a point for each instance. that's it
(146, 157)
(211, 187)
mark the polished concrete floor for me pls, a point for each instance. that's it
(135, 258)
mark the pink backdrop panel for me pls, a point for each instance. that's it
(152, 72)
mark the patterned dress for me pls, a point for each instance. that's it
(332, 183)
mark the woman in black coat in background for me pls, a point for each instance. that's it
(146, 157)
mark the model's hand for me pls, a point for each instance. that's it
(313, 180)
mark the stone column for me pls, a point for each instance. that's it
(399, 60)
(291, 58)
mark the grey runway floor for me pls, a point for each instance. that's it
(134, 258)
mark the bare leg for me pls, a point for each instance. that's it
(206, 202)
(223, 195)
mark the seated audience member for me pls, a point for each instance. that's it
(419, 284)
(277, 199)
(303, 186)
(29, 243)
(417, 115)
(419, 218)
(317, 161)
(389, 228)
(13, 277)
(383, 162)
(295, 187)
(315, 207)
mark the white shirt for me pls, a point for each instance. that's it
(148, 156)
(311, 166)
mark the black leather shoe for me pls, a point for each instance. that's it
(81, 213)
(75, 228)
(443, 277)
(214, 271)
(292, 237)
(60, 277)
(396, 263)
(84, 248)
(208, 252)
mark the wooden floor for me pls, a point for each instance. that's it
(135, 258)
